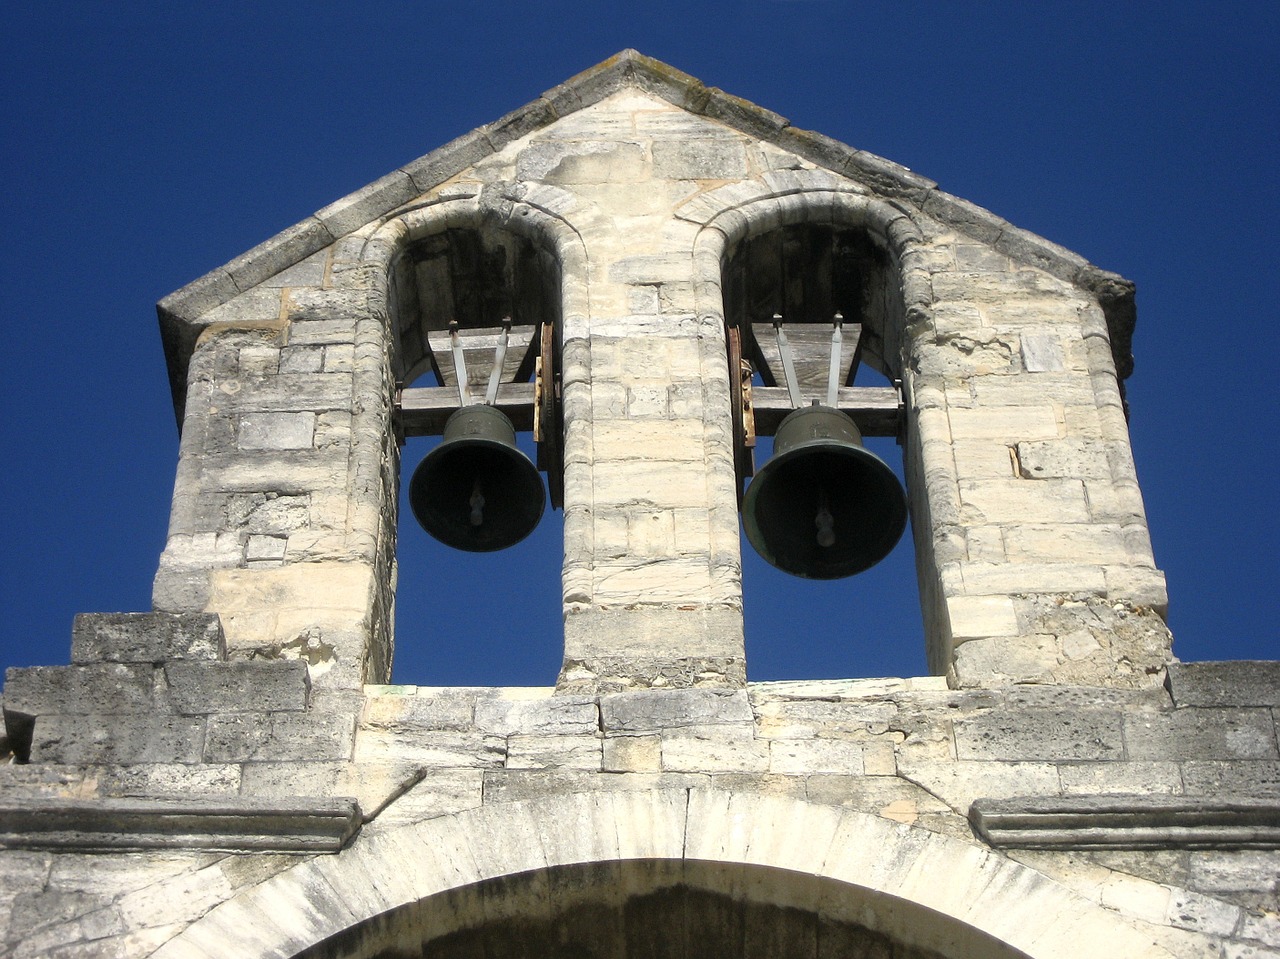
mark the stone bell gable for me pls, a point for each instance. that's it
(625, 209)
(646, 274)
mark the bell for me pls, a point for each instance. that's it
(823, 507)
(476, 491)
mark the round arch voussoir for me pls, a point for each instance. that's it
(919, 887)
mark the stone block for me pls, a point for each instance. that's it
(368, 203)
(430, 748)
(301, 359)
(435, 794)
(798, 757)
(1227, 683)
(1084, 543)
(1021, 501)
(1201, 733)
(1042, 734)
(710, 754)
(276, 431)
(202, 688)
(279, 253)
(803, 719)
(976, 617)
(1004, 423)
(699, 159)
(958, 784)
(547, 716)
(146, 637)
(118, 739)
(518, 785)
(439, 165)
(553, 752)
(106, 688)
(654, 633)
(1192, 910)
(1046, 459)
(1137, 777)
(981, 579)
(166, 779)
(657, 709)
(633, 754)
(251, 737)
(421, 708)
(886, 796)
(1041, 353)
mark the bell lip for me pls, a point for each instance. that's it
(520, 462)
(756, 538)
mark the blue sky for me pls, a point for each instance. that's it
(145, 144)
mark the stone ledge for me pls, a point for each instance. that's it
(1224, 683)
(1127, 822)
(146, 637)
(298, 825)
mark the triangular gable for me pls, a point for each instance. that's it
(181, 312)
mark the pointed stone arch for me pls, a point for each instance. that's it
(921, 890)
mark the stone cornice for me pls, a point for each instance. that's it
(233, 824)
(1128, 822)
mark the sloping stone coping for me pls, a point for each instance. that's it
(295, 825)
(1127, 822)
(180, 312)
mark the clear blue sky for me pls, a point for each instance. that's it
(145, 144)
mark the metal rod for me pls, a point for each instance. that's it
(459, 364)
(788, 367)
(499, 358)
(833, 372)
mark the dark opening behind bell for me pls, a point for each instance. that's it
(823, 507)
(476, 491)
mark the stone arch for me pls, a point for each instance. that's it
(922, 890)
(535, 213)
(738, 212)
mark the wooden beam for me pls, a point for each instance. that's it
(423, 410)
(876, 409)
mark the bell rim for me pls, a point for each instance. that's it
(523, 463)
(860, 453)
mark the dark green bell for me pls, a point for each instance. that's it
(823, 507)
(476, 491)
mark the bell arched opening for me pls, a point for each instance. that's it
(475, 315)
(814, 317)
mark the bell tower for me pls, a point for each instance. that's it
(621, 261)
(646, 275)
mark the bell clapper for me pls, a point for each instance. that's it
(477, 505)
(824, 521)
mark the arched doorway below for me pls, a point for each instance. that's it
(655, 909)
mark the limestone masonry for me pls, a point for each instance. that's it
(229, 774)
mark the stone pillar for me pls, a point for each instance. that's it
(279, 521)
(652, 574)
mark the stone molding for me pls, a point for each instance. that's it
(299, 825)
(1127, 822)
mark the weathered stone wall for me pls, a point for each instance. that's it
(226, 775)
(251, 739)
(1033, 554)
